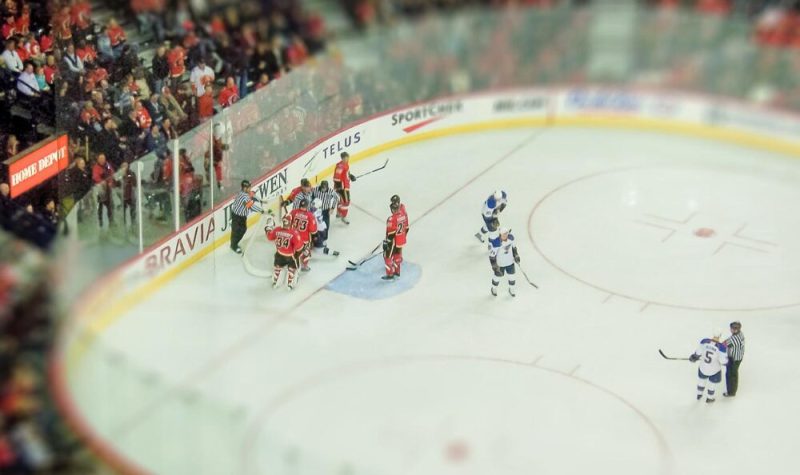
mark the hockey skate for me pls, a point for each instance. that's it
(344, 220)
(710, 401)
(274, 284)
(388, 277)
(305, 269)
(494, 291)
(512, 292)
(479, 237)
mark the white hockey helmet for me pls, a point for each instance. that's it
(316, 203)
(504, 230)
(498, 194)
(716, 334)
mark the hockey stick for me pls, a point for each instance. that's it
(375, 170)
(669, 358)
(526, 277)
(355, 265)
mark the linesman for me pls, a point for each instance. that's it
(243, 204)
(330, 201)
(735, 344)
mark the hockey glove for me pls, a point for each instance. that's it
(501, 207)
(694, 358)
(386, 245)
(352, 177)
(516, 256)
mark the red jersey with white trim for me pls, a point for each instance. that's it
(287, 241)
(304, 223)
(397, 227)
(342, 175)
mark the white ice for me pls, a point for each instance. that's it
(216, 373)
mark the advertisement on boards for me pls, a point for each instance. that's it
(34, 167)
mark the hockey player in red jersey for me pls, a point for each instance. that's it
(341, 184)
(303, 191)
(305, 224)
(396, 231)
(396, 199)
(288, 245)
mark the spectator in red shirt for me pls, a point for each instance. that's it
(177, 67)
(229, 94)
(62, 24)
(9, 27)
(81, 16)
(87, 53)
(24, 21)
(117, 37)
(205, 104)
(90, 116)
(50, 69)
(143, 119)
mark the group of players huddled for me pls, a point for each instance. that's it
(307, 225)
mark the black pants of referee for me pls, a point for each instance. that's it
(732, 376)
(238, 228)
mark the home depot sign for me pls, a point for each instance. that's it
(33, 167)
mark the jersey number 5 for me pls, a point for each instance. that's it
(709, 354)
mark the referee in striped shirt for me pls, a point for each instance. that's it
(330, 200)
(735, 346)
(242, 205)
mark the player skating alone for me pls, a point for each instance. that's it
(288, 246)
(306, 225)
(503, 255)
(713, 356)
(396, 231)
(341, 184)
(492, 207)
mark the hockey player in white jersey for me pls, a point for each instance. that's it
(503, 255)
(321, 237)
(492, 207)
(713, 356)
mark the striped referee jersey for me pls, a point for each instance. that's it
(330, 199)
(243, 204)
(302, 196)
(735, 346)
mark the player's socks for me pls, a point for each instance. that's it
(398, 260)
(511, 288)
(291, 278)
(276, 275)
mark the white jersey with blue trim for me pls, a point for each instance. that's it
(713, 356)
(502, 250)
(491, 205)
(321, 226)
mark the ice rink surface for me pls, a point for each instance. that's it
(637, 241)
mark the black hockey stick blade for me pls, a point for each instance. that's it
(670, 358)
(375, 170)
(528, 278)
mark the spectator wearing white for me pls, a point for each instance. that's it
(201, 77)
(27, 83)
(73, 62)
(11, 57)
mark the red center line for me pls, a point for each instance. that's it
(218, 361)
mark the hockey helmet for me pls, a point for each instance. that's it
(504, 231)
(323, 185)
(305, 183)
(395, 199)
(245, 184)
(344, 156)
(498, 194)
(304, 203)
